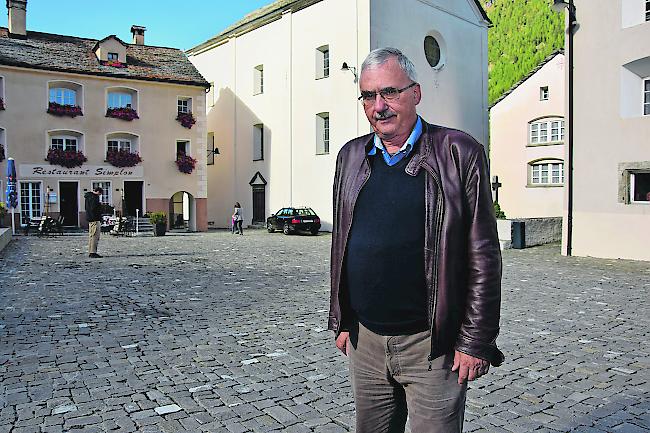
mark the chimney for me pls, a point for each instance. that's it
(138, 34)
(17, 11)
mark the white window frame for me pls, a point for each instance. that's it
(107, 191)
(323, 133)
(543, 93)
(63, 96)
(547, 172)
(258, 142)
(322, 62)
(210, 149)
(134, 93)
(633, 191)
(73, 86)
(258, 80)
(32, 210)
(119, 144)
(647, 10)
(188, 147)
(540, 132)
(113, 57)
(184, 104)
(645, 98)
(65, 142)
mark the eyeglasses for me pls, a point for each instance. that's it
(387, 94)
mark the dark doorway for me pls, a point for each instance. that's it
(69, 203)
(259, 203)
(132, 197)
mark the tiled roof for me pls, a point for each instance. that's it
(530, 74)
(60, 53)
(270, 13)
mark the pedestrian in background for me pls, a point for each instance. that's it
(93, 216)
(415, 306)
(238, 219)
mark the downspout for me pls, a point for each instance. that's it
(569, 241)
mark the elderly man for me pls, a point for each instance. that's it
(416, 264)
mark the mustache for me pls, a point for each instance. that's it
(382, 115)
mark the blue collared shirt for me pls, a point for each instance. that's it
(404, 151)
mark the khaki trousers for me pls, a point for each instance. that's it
(391, 380)
(94, 229)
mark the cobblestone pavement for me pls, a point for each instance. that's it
(223, 333)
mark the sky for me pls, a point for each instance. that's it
(170, 23)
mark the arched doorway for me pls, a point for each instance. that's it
(182, 212)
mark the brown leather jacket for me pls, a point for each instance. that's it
(461, 246)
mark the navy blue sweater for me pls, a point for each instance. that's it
(384, 265)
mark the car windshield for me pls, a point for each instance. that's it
(305, 212)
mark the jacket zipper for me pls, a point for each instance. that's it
(439, 214)
(345, 244)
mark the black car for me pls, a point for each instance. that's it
(292, 219)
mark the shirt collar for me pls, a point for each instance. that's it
(404, 151)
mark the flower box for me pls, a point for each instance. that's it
(186, 119)
(64, 110)
(2, 153)
(123, 158)
(66, 158)
(123, 113)
(113, 63)
(2, 104)
(185, 163)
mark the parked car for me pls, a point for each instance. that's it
(293, 219)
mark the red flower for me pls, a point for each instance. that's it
(66, 158)
(64, 110)
(123, 113)
(2, 104)
(186, 119)
(123, 158)
(185, 163)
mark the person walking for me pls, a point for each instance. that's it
(238, 219)
(415, 306)
(93, 216)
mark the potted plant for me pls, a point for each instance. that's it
(66, 158)
(123, 158)
(3, 213)
(159, 221)
(122, 113)
(186, 119)
(64, 110)
(185, 163)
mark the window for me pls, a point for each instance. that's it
(539, 131)
(646, 96)
(258, 76)
(120, 100)
(640, 187)
(323, 62)
(258, 142)
(647, 10)
(543, 93)
(30, 201)
(546, 173)
(63, 96)
(107, 195)
(117, 144)
(64, 143)
(210, 148)
(182, 148)
(184, 105)
(112, 57)
(322, 133)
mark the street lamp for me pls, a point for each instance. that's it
(352, 69)
(559, 6)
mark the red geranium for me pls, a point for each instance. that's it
(64, 110)
(123, 158)
(123, 113)
(186, 119)
(66, 158)
(185, 163)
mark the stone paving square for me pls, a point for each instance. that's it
(212, 332)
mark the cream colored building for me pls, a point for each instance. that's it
(282, 106)
(611, 130)
(94, 79)
(527, 143)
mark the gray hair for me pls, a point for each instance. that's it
(380, 56)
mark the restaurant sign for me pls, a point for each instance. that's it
(26, 171)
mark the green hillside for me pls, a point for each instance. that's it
(525, 32)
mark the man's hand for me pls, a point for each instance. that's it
(468, 367)
(342, 342)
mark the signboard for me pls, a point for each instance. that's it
(27, 171)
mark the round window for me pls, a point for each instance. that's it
(432, 51)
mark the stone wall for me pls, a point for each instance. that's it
(538, 231)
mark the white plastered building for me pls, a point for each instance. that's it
(282, 106)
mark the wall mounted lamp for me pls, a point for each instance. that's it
(352, 69)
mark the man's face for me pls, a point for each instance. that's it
(390, 119)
